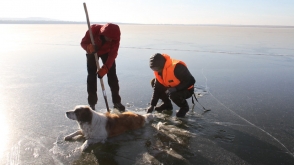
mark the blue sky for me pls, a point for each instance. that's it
(235, 12)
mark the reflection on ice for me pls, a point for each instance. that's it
(173, 132)
(129, 105)
(4, 136)
(200, 91)
(30, 151)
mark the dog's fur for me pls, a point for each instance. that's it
(97, 127)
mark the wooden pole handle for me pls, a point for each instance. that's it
(96, 57)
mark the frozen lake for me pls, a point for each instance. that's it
(244, 73)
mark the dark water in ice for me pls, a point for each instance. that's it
(244, 75)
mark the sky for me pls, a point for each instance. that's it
(232, 12)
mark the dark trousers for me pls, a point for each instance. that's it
(178, 97)
(92, 80)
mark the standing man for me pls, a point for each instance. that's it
(172, 81)
(107, 40)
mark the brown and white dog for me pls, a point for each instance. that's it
(97, 127)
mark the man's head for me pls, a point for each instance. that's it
(110, 32)
(157, 62)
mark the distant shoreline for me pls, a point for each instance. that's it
(74, 22)
(40, 22)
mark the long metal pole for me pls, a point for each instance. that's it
(96, 57)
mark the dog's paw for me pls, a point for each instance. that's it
(67, 138)
(148, 117)
(85, 146)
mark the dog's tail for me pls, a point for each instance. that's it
(148, 117)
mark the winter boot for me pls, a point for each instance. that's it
(184, 108)
(119, 106)
(182, 112)
(167, 105)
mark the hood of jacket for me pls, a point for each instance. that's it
(111, 31)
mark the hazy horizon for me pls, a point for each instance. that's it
(41, 20)
(250, 12)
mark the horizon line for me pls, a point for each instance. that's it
(102, 22)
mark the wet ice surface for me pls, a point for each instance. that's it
(250, 94)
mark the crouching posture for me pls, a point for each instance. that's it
(172, 81)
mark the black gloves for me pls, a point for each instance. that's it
(150, 109)
(170, 91)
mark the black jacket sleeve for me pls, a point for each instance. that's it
(158, 88)
(183, 74)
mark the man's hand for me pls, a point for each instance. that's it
(102, 71)
(91, 49)
(150, 109)
(169, 91)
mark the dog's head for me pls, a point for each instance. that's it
(81, 113)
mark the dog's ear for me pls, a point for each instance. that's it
(84, 114)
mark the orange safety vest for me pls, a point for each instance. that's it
(168, 78)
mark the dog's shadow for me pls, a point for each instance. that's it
(112, 151)
(78, 138)
(105, 153)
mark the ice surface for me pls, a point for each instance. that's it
(244, 75)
